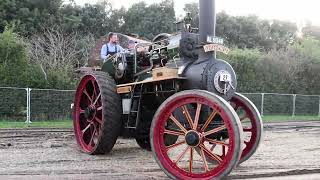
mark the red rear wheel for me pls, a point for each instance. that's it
(207, 120)
(96, 115)
(251, 122)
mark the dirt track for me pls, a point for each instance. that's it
(289, 150)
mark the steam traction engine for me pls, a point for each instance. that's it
(175, 98)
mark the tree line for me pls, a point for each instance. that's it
(43, 42)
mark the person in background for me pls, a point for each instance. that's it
(131, 44)
(110, 48)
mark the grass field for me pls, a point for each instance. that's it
(277, 118)
(68, 123)
(36, 124)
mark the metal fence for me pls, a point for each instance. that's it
(49, 104)
(35, 104)
(286, 104)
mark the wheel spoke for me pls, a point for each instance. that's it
(187, 115)
(182, 155)
(175, 145)
(213, 146)
(208, 121)
(82, 111)
(98, 120)
(233, 104)
(98, 127)
(92, 135)
(215, 130)
(85, 129)
(177, 133)
(87, 94)
(191, 159)
(96, 100)
(216, 142)
(210, 154)
(178, 123)
(99, 108)
(94, 89)
(203, 157)
(223, 151)
(196, 118)
(236, 107)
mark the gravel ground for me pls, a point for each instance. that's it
(289, 150)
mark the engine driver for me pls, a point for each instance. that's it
(110, 48)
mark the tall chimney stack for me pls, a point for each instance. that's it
(207, 25)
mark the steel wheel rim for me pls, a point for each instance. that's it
(161, 150)
(88, 114)
(248, 116)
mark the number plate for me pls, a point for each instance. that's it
(225, 77)
(214, 40)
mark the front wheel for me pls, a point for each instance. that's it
(214, 124)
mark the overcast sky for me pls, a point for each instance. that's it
(297, 11)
